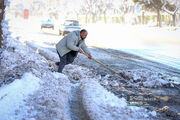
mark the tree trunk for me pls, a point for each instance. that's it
(77, 16)
(105, 20)
(174, 20)
(159, 24)
(86, 18)
(143, 17)
(2, 7)
(94, 18)
(123, 19)
(178, 18)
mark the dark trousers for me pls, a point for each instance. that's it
(66, 59)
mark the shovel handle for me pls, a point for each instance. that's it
(102, 64)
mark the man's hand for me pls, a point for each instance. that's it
(80, 51)
(90, 57)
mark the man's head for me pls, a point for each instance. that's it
(83, 34)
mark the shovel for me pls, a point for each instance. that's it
(119, 74)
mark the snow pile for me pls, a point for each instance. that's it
(12, 95)
(77, 72)
(103, 105)
(33, 90)
(51, 101)
(18, 59)
(147, 78)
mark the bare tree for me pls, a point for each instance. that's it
(171, 7)
(153, 5)
(37, 7)
(95, 8)
(126, 8)
(92, 7)
(2, 8)
(103, 7)
(84, 10)
(119, 8)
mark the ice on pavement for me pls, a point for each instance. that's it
(168, 57)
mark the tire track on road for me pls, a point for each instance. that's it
(76, 107)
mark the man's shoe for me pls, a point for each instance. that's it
(57, 63)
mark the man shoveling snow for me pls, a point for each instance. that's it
(68, 48)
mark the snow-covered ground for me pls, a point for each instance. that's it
(43, 94)
(33, 87)
(36, 91)
(12, 95)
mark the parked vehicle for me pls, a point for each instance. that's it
(69, 26)
(47, 24)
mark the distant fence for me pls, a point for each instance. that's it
(166, 19)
